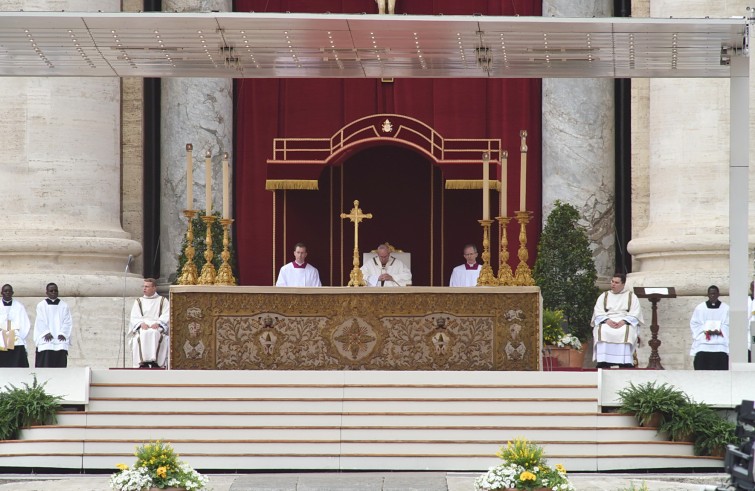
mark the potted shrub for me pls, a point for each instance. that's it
(686, 421)
(157, 467)
(523, 467)
(22, 407)
(651, 404)
(713, 437)
(565, 270)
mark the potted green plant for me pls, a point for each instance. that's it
(685, 422)
(651, 404)
(713, 437)
(565, 269)
(157, 467)
(523, 467)
(564, 347)
(26, 406)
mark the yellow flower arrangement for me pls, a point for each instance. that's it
(523, 467)
(157, 466)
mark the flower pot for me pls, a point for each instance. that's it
(654, 421)
(167, 489)
(567, 357)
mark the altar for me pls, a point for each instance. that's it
(339, 328)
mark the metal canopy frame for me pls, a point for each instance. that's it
(270, 45)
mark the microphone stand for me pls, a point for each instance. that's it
(123, 314)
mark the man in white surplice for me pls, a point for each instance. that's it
(150, 322)
(467, 273)
(710, 333)
(386, 270)
(616, 320)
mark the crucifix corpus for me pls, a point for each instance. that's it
(356, 216)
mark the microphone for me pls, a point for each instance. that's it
(128, 262)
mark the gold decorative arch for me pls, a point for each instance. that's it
(298, 162)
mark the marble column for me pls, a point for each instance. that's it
(685, 243)
(60, 183)
(578, 143)
(197, 111)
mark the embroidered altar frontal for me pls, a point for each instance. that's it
(414, 328)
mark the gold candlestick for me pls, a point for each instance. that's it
(189, 270)
(225, 273)
(505, 275)
(208, 270)
(487, 277)
(523, 275)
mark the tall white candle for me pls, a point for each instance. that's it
(485, 186)
(503, 194)
(226, 188)
(208, 183)
(189, 177)
(523, 173)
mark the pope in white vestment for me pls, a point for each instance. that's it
(149, 326)
(467, 273)
(386, 270)
(298, 272)
(616, 320)
(14, 327)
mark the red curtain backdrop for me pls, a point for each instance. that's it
(403, 188)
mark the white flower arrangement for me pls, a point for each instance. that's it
(569, 341)
(157, 466)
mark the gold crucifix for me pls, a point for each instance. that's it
(356, 216)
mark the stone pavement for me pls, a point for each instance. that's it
(370, 481)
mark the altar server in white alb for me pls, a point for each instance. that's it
(150, 322)
(14, 327)
(467, 273)
(52, 330)
(298, 272)
(616, 320)
(710, 333)
(386, 270)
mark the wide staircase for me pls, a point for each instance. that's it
(349, 420)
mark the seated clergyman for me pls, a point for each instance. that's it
(150, 322)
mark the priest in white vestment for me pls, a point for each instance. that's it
(149, 326)
(298, 272)
(14, 327)
(710, 333)
(385, 270)
(616, 320)
(467, 273)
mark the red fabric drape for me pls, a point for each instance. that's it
(316, 108)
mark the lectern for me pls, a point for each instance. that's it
(654, 294)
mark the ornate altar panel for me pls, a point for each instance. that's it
(267, 328)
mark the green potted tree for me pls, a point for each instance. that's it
(565, 270)
(651, 404)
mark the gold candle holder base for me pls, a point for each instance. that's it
(225, 273)
(486, 278)
(523, 276)
(189, 270)
(208, 270)
(356, 278)
(505, 275)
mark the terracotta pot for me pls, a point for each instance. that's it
(567, 357)
(655, 420)
(167, 489)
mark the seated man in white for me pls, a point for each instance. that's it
(386, 270)
(467, 273)
(298, 272)
(150, 322)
